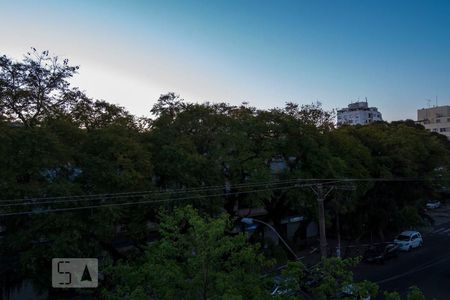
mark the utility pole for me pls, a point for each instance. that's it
(321, 194)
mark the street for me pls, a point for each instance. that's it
(427, 267)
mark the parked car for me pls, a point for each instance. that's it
(408, 240)
(381, 252)
(433, 205)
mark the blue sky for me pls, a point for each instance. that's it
(395, 53)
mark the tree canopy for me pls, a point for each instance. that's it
(58, 142)
(36, 87)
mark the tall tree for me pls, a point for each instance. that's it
(36, 87)
(197, 258)
(91, 114)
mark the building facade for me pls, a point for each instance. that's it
(358, 113)
(436, 119)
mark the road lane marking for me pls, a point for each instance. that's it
(417, 269)
(438, 230)
(447, 230)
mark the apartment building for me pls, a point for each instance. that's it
(358, 113)
(436, 119)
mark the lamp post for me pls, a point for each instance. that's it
(252, 220)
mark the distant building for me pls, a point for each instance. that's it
(358, 113)
(436, 119)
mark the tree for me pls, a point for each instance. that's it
(331, 278)
(197, 258)
(312, 114)
(91, 114)
(35, 88)
(397, 150)
(113, 159)
(168, 106)
(414, 293)
(391, 295)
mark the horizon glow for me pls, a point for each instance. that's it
(263, 52)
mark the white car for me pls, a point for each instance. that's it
(433, 205)
(408, 240)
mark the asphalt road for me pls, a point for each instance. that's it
(427, 267)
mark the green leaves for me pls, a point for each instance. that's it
(55, 141)
(414, 293)
(196, 258)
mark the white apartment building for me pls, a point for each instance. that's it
(436, 119)
(358, 113)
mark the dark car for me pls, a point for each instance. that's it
(381, 252)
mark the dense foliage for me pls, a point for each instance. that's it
(199, 257)
(55, 141)
(196, 258)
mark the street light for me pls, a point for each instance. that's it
(250, 221)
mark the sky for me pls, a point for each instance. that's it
(395, 53)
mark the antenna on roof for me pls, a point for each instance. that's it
(429, 102)
(436, 101)
(366, 99)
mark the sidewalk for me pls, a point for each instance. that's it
(311, 255)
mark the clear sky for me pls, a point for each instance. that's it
(395, 53)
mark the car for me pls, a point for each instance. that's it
(433, 205)
(380, 252)
(407, 240)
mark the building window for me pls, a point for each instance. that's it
(438, 120)
(442, 130)
(448, 119)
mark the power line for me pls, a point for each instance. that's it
(121, 196)
(149, 192)
(103, 197)
(138, 193)
(114, 196)
(150, 201)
